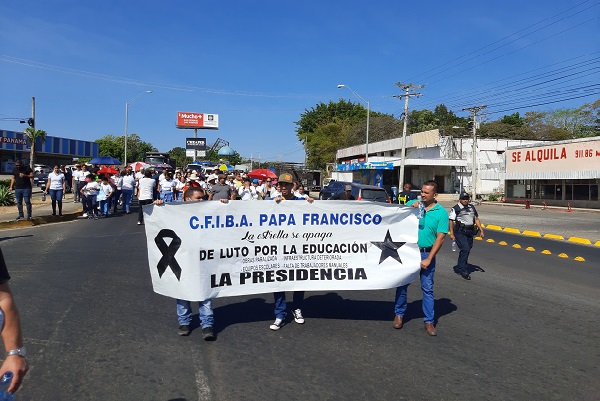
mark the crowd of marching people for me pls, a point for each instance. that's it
(102, 190)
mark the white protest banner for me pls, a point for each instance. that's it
(201, 250)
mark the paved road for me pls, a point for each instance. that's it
(525, 327)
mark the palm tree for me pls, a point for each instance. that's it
(33, 135)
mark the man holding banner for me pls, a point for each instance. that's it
(287, 183)
(433, 227)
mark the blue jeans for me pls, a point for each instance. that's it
(21, 195)
(427, 288)
(127, 196)
(75, 190)
(281, 306)
(115, 200)
(167, 196)
(464, 243)
(56, 195)
(104, 206)
(184, 313)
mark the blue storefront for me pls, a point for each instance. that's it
(54, 150)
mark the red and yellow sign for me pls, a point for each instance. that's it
(197, 120)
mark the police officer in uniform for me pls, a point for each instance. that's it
(406, 194)
(464, 224)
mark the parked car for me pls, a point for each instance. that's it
(370, 193)
(40, 179)
(333, 188)
(42, 168)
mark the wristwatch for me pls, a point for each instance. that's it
(22, 352)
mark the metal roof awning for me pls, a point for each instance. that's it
(433, 162)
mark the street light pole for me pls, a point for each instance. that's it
(127, 120)
(368, 115)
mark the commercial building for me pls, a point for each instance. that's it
(559, 173)
(54, 150)
(429, 156)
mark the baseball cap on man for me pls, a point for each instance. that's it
(286, 177)
(465, 195)
(255, 181)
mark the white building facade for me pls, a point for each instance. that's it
(429, 156)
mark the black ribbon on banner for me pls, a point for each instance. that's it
(168, 252)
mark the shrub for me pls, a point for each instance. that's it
(494, 197)
(7, 198)
(5, 183)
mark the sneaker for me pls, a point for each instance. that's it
(96, 217)
(298, 316)
(20, 218)
(28, 218)
(139, 223)
(277, 324)
(208, 334)
(85, 215)
(184, 330)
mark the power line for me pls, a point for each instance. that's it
(506, 37)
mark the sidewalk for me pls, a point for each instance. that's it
(41, 212)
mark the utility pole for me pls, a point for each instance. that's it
(474, 110)
(407, 94)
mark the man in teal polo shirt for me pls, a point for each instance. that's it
(433, 227)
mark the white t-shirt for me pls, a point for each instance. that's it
(247, 193)
(128, 182)
(76, 175)
(166, 185)
(118, 181)
(178, 184)
(146, 188)
(56, 180)
(91, 188)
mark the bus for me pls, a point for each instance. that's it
(154, 158)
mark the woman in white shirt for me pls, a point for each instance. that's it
(166, 188)
(57, 188)
(127, 187)
(145, 193)
(179, 184)
(247, 191)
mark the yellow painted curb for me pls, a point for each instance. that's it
(511, 230)
(503, 243)
(517, 246)
(563, 255)
(546, 252)
(493, 227)
(489, 240)
(597, 243)
(554, 236)
(532, 233)
(579, 259)
(530, 249)
(477, 238)
(578, 240)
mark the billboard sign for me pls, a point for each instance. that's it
(195, 143)
(561, 157)
(197, 120)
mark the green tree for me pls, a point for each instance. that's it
(422, 120)
(136, 148)
(179, 158)
(315, 125)
(110, 145)
(33, 135)
(513, 119)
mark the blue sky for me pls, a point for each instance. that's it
(259, 65)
